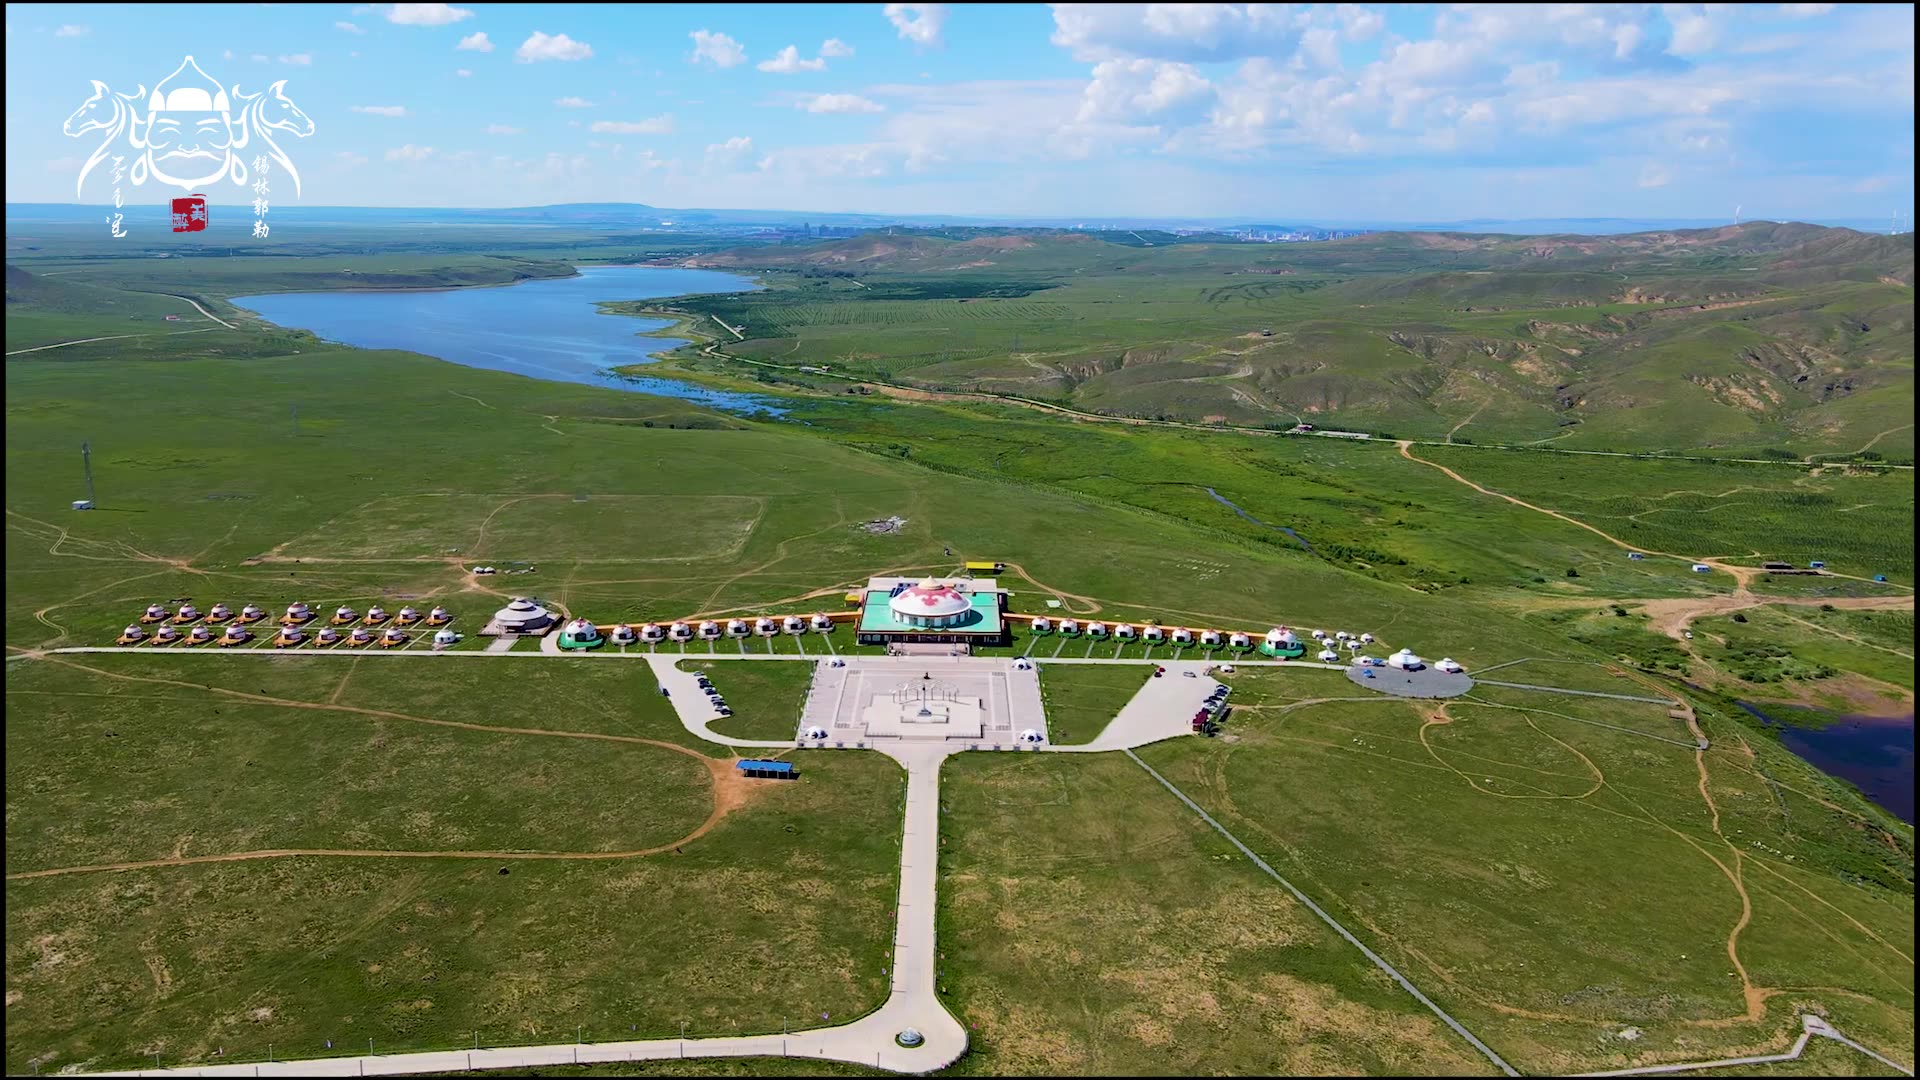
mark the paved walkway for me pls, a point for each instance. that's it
(691, 704)
(1810, 1025)
(1162, 709)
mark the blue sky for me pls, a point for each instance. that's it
(1276, 111)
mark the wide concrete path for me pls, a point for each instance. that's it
(690, 702)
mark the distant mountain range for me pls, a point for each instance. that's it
(227, 218)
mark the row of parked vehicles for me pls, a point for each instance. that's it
(713, 695)
(1207, 720)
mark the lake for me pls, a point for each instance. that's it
(544, 329)
(1874, 753)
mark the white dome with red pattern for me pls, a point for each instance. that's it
(930, 603)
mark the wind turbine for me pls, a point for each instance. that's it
(1736, 215)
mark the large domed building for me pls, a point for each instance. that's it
(520, 616)
(933, 611)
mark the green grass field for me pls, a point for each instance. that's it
(766, 699)
(1081, 698)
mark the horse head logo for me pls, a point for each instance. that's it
(271, 113)
(106, 111)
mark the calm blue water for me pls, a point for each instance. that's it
(1874, 753)
(546, 329)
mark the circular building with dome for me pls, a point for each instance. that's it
(933, 611)
(520, 616)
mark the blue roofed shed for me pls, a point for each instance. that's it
(762, 769)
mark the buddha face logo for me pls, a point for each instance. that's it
(191, 132)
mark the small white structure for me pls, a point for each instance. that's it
(1029, 735)
(679, 632)
(1124, 632)
(765, 626)
(1279, 638)
(1153, 635)
(816, 733)
(1182, 636)
(376, 613)
(1636, 555)
(1042, 624)
(1702, 568)
(393, 636)
(483, 570)
(522, 616)
(233, 635)
(1367, 638)
(709, 631)
(652, 634)
(290, 635)
(1096, 629)
(344, 614)
(299, 611)
(188, 613)
(1319, 635)
(1367, 661)
(360, 636)
(738, 628)
(821, 623)
(1021, 663)
(794, 624)
(200, 635)
(1341, 635)
(252, 612)
(623, 635)
(165, 635)
(1328, 656)
(1405, 660)
(1239, 640)
(220, 613)
(1353, 644)
(1209, 638)
(327, 636)
(578, 630)
(154, 613)
(444, 638)
(409, 614)
(439, 614)
(1069, 626)
(1449, 665)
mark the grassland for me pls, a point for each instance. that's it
(766, 699)
(1472, 852)
(234, 755)
(1081, 698)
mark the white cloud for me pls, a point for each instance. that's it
(426, 14)
(381, 110)
(502, 129)
(1141, 89)
(411, 152)
(721, 50)
(1805, 11)
(656, 125)
(1694, 30)
(839, 103)
(573, 103)
(1359, 23)
(729, 155)
(73, 30)
(475, 42)
(918, 23)
(834, 47)
(1654, 175)
(259, 58)
(1872, 184)
(1190, 32)
(348, 27)
(349, 160)
(787, 62)
(227, 55)
(298, 60)
(557, 47)
(465, 73)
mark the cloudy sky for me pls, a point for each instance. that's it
(1280, 111)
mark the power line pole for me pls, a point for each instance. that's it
(86, 463)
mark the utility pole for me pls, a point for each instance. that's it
(86, 463)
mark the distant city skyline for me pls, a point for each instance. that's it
(1290, 114)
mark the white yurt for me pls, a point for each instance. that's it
(1021, 663)
(1353, 644)
(252, 612)
(765, 626)
(220, 613)
(623, 635)
(738, 628)
(1154, 634)
(1368, 638)
(393, 636)
(165, 634)
(680, 631)
(816, 732)
(1042, 625)
(821, 623)
(794, 624)
(580, 630)
(1096, 629)
(344, 614)
(188, 613)
(1069, 626)
(407, 615)
(1450, 665)
(651, 633)
(1183, 636)
(1319, 635)
(1341, 635)
(439, 615)
(522, 616)
(1030, 735)
(930, 605)
(376, 614)
(360, 636)
(444, 638)
(1209, 637)
(1279, 636)
(234, 635)
(1124, 632)
(709, 631)
(1406, 661)
(327, 636)
(299, 612)
(1239, 640)
(154, 613)
(200, 635)
(1328, 656)
(290, 635)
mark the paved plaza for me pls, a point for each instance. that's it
(967, 702)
